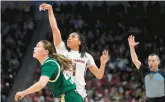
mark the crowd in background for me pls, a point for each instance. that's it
(104, 27)
(17, 28)
(108, 27)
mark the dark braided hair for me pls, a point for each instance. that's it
(83, 47)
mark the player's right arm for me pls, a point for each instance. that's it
(57, 40)
(46, 73)
(132, 44)
(52, 20)
(34, 88)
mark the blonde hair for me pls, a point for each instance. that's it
(65, 63)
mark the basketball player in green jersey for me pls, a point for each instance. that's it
(55, 73)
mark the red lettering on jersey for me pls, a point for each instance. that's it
(74, 65)
(78, 60)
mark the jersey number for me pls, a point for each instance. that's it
(74, 69)
(69, 77)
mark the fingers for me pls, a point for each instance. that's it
(105, 52)
(44, 6)
(136, 43)
(105, 57)
(20, 97)
(41, 6)
(16, 97)
(133, 38)
(130, 38)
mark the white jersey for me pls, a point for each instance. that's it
(80, 66)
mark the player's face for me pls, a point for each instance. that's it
(153, 62)
(73, 41)
(39, 51)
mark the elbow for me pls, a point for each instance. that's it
(134, 60)
(100, 73)
(99, 77)
(41, 85)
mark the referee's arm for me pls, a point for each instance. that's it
(135, 58)
(132, 44)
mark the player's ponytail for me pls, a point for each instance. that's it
(65, 63)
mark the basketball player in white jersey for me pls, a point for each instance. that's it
(77, 51)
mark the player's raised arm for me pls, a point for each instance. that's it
(56, 32)
(132, 44)
(99, 72)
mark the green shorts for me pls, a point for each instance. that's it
(71, 96)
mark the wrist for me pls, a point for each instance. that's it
(24, 93)
(131, 47)
(102, 65)
(50, 9)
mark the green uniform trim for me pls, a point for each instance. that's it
(58, 70)
(62, 99)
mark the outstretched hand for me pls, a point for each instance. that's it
(19, 95)
(105, 57)
(45, 6)
(131, 41)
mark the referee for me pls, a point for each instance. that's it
(154, 78)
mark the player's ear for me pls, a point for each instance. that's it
(46, 52)
(158, 62)
(79, 43)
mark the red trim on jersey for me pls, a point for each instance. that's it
(74, 69)
(85, 70)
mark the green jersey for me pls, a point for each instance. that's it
(59, 82)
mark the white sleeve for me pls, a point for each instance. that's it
(61, 49)
(91, 61)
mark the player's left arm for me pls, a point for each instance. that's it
(37, 86)
(34, 88)
(46, 73)
(99, 72)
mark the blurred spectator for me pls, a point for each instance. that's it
(16, 25)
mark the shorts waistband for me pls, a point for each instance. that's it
(74, 90)
(156, 97)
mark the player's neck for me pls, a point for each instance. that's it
(42, 60)
(75, 49)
